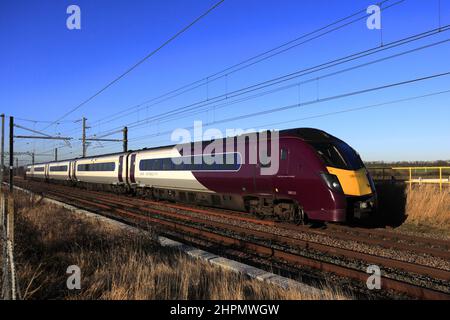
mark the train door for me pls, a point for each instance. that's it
(120, 171)
(46, 172)
(264, 182)
(245, 178)
(132, 168)
(74, 170)
(284, 180)
(127, 169)
(283, 168)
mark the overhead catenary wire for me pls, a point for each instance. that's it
(370, 106)
(228, 103)
(316, 101)
(322, 115)
(287, 77)
(134, 66)
(45, 121)
(325, 65)
(246, 63)
(439, 30)
(264, 56)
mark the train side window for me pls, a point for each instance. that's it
(181, 164)
(151, 165)
(187, 164)
(110, 166)
(157, 165)
(283, 154)
(167, 164)
(58, 169)
(146, 165)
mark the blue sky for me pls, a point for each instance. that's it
(47, 69)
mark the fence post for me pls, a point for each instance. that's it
(5, 261)
(9, 289)
(440, 179)
(2, 214)
(410, 179)
(10, 220)
(10, 237)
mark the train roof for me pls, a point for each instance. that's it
(306, 134)
(310, 134)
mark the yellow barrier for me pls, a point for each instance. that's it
(410, 169)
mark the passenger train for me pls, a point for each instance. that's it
(320, 178)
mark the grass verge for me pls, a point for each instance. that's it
(116, 264)
(423, 208)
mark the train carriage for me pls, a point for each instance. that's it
(39, 171)
(58, 171)
(319, 177)
(97, 170)
(29, 171)
(156, 169)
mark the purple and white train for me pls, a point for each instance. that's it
(320, 177)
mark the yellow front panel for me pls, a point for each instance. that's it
(354, 183)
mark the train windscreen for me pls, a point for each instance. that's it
(338, 154)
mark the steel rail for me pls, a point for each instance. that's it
(295, 243)
(388, 240)
(387, 283)
(392, 283)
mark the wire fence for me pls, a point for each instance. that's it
(9, 281)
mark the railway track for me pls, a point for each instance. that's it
(240, 231)
(385, 239)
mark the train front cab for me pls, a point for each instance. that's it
(347, 175)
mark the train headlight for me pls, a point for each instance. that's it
(332, 182)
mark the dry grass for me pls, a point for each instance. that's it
(423, 206)
(427, 205)
(118, 265)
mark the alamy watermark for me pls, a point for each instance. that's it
(374, 20)
(74, 280)
(73, 21)
(374, 280)
(235, 145)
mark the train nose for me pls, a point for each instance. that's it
(353, 182)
